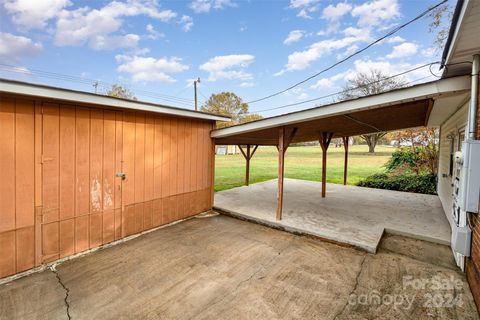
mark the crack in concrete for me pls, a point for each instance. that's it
(354, 287)
(67, 291)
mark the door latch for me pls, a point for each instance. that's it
(121, 175)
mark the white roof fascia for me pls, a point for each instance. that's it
(453, 43)
(417, 92)
(90, 98)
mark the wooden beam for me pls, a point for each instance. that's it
(290, 139)
(281, 167)
(248, 156)
(243, 152)
(345, 166)
(324, 139)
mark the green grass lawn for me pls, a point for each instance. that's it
(300, 163)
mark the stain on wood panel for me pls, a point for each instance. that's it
(118, 168)
(81, 233)
(67, 237)
(67, 162)
(7, 258)
(108, 196)
(82, 163)
(7, 164)
(25, 242)
(118, 158)
(96, 161)
(128, 185)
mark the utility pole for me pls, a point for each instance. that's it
(95, 85)
(195, 89)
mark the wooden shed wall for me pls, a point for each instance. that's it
(60, 194)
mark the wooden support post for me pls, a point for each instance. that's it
(248, 156)
(281, 168)
(283, 144)
(345, 166)
(324, 139)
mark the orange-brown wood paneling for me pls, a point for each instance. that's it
(17, 189)
(60, 193)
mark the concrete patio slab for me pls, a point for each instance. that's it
(349, 215)
(224, 268)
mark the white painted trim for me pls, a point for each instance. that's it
(41, 91)
(417, 92)
(453, 43)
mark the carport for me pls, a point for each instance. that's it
(421, 105)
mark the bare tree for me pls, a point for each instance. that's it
(441, 18)
(365, 84)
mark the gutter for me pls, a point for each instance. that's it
(451, 32)
(472, 113)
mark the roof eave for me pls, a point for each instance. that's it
(42, 91)
(421, 91)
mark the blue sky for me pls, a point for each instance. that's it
(252, 48)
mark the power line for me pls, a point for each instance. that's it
(352, 89)
(95, 83)
(395, 30)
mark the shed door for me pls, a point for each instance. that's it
(81, 194)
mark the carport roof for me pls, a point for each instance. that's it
(397, 109)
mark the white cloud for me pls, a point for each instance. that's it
(34, 14)
(306, 7)
(187, 23)
(12, 46)
(390, 68)
(149, 68)
(228, 67)
(333, 13)
(102, 42)
(85, 25)
(202, 6)
(247, 84)
(329, 83)
(301, 60)
(294, 36)
(152, 33)
(396, 39)
(403, 50)
(376, 12)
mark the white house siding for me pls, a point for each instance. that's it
(455, 124)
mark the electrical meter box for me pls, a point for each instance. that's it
(469, 191)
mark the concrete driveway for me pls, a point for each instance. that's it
(223, 268)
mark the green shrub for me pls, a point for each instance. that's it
(403, 158)
(409, 182)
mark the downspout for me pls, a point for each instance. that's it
(472, 114)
